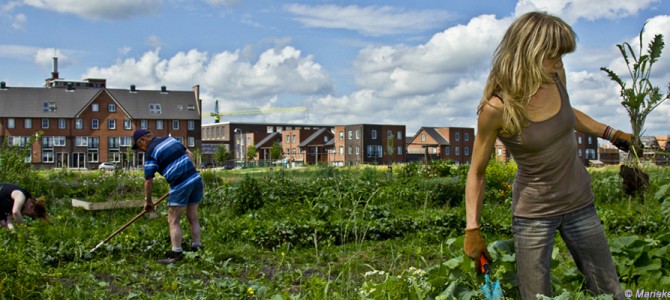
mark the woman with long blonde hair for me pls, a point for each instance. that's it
(526, 105)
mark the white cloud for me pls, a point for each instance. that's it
(430, 68)
(572, 10)
(19, 21)
(238, 83)
(369, 20)
(44, 57)
(222, 2)
(154, 41)
(94, 10)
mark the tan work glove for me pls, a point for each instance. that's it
(474, 247)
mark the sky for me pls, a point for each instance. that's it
(418, 63)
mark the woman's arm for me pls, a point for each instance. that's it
(19, 200)
(489, 124)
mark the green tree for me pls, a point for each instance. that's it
(639, 99)
(251, 152)
(276, 151)
(221, 154)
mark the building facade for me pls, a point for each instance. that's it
(446, 143)
(368, 144)
(80, 124)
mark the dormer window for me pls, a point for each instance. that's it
(190, 107)
(49, 106)
(155, 108)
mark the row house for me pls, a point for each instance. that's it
(236, 137)
(83, 123)
(445, 143)
(368, 144)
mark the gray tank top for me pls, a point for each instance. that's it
(550, 178)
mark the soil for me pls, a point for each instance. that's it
(635, 181)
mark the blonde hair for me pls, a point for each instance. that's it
(518, 71)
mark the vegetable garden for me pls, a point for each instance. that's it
(311, 233)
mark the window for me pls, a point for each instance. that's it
(144, 124)
(466, 137)
(127, 124)
(190, 107)
(447, 151)
(159, 124)
(155, 108)
(11, 123)
(399, 150)
(269, 129)
(373, 134)
(374, 151)
(288, 139)
(59, 141)
(18, 140)
(47, 155)
(457, 151)
(45, 123)
(499, 151)
(191, 125)
(579, 140)
(27, 123)
(125, 141)
(293, 138)
(111, 124)
(389, 134)
(341, 150)
(350, 134)
(95, 107)
(81, 141)
(175, 124)
(92, 156)
(341, 135)
(111, 107)
(423, 137)
(457, 137)
(358, 150)
(191, 141)
(79, 123)
(590, 140)
(95, 124)
(399, 135)
(349, 150)
(113, 142)
(580, 153)
(466, 151)
(49, 106)
(358, 134)
(325, 139)
(61, 123)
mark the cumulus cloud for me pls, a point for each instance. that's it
(221, 2)
(238, 82)
(572, 10)
(19, 21)
(369, 20)
(94, 10)
(462, 50)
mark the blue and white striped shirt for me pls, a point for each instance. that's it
(168, 157)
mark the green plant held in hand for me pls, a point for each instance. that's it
(639, 99)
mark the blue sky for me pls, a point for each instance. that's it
(418, 63)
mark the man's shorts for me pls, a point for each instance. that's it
(190, 194)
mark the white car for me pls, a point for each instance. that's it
(107, 166)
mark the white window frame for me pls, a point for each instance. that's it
(191, 125)
(62, 124)
(95, 107)
(28, 123)
(111, 107)
(11, 123)
(159, 125)
(175, 124)
(191, 141)
(95, 124)
(111, 124)
(79, 123)
(45, 123)
(127, 124)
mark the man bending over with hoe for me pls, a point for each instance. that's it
(16, 202)
(170, 158)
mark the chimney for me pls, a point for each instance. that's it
(54, 73)
(132, 88)
(163, 89)
(3, 85)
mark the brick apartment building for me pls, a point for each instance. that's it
(368, 144)
(83, 123)
(446, 143)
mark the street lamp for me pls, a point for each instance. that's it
(239, 151)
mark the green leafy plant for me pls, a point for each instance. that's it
(639, 99)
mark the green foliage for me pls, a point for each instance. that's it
(312, 233)
(221, 154)
(251, 152)
(276, 151)
(13, 165)
(641, 97)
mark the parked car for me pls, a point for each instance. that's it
(107, 166)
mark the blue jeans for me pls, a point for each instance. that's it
(584, 236)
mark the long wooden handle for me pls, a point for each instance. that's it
(128, 224)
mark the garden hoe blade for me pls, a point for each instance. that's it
(88, 255)
(492, 290)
